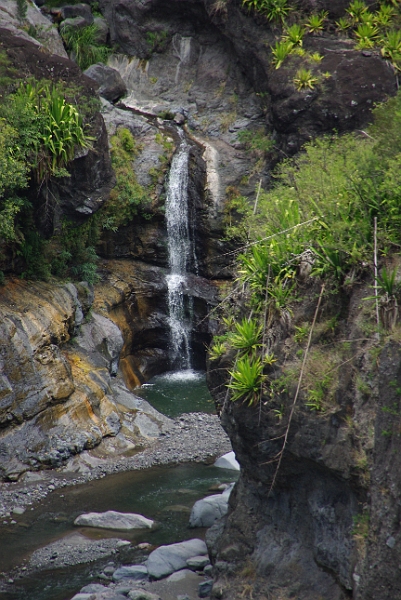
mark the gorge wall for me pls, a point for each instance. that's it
(69, 358)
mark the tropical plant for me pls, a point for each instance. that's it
(391, 47)
(83, 45)
(255, 268)
(330, 263)
(280, 292)
(316, 57)
(247, 336)
(280, 51)
(256, 141)
(384, 16)
(246, 380)
(294, 34)
(387, 282)
(356, 9)
(301, 332)
(343, 24)
(276, 10)
(366, 34)
(304, 79)
(317, 394)
(368, 18)
(217, 349)
(315, 23)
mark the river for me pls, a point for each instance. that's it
(164, 494)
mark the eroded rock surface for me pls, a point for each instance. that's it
(59, 395)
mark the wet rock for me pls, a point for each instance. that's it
(207, 510)
(111, 84)
(134, 572)
(179, 575)
(93, 588)
(197, 563)
(74, 23)
(114, 520)
(166, 559)
(205, 588)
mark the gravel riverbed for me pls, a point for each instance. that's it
(192, 437)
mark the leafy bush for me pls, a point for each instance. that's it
(304, 79)
(280, 51)
(322, 202)
(247, 379)
(246, 336)
(46, 131)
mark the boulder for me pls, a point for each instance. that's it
(93, 588)
(167, 559)
(114, 520)
(205, 588)
(135, 572)
(74, 23)
(72, 11)
(111, 84)
(102, 30)
(179, 575)
(227, 461)
(197, 563)
(206, 511)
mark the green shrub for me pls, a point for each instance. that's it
(82, 44)
(304, 79)
(280, 51)
(246, 380)
(128, 198)
(246, 336)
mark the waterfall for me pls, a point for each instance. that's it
(181, 254)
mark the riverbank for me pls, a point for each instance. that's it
(192, 437)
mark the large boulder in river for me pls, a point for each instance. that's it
(207, 510)
(228, 461)
(167, 559)
(114, 520)
(111, 84)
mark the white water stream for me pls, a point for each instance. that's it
(180, 253)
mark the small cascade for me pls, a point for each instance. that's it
(181, 257)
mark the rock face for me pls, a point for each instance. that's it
(326, 528)
(151, 32)
(58, 391)
(45, 35)
(134, 296)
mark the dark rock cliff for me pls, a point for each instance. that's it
(318, 520)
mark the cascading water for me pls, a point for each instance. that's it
(181, 253)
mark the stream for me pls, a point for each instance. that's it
(164, 494)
